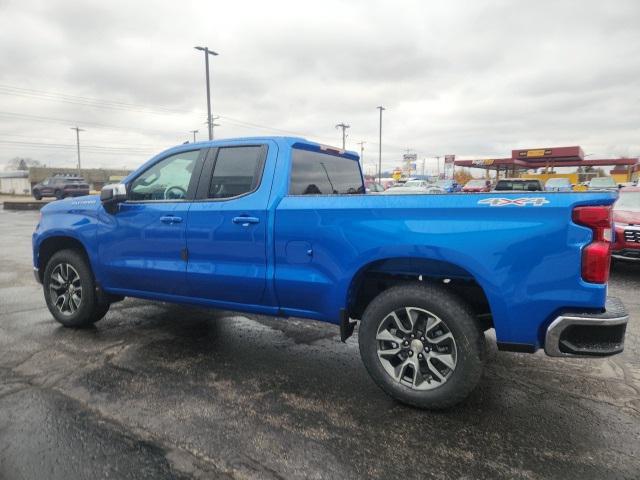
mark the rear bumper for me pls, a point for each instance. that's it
(588, 334)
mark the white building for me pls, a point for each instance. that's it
(15, 183)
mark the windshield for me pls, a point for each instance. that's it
(414, 183)
(602, 182)
(444, 183)
(557, 182)
(628, 201)
(518, 185)
(475, 183)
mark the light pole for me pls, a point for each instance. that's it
(381, 108)
(208, 52)
(78, 130)
(194, 134)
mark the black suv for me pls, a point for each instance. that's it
(61, 186)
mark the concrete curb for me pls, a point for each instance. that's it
(11, 205)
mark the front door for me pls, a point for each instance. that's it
(142, 245)
(227, 228)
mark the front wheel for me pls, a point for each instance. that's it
(37, 195)
(69, 290)
(422, 346)
(59, 194)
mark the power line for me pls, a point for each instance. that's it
(66, 121)
(88, 101)
(135, 107)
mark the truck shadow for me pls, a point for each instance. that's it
(313, 387)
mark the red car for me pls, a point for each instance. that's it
(626, 218)
(477, 185)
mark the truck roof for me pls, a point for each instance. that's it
(291, 140)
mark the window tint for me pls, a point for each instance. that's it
(320, 173)
(166, 180)
(236, 171)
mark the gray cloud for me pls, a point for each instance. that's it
(474, 78)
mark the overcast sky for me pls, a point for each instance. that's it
(471, 78)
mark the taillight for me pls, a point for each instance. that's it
(596, 257)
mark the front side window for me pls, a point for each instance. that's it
(166, 180)
(316, 173)
(236, 171)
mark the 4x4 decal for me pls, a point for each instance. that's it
(518, 202)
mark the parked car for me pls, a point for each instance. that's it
(448, 186)
(409, 187)
(61, 186)
(477, 185)
(602, 183)
(278, 226)
(626, 217)
(518, 185)
(558, 184)
(373, 187)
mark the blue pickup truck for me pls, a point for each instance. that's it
(282, 226)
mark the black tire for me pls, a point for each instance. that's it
(59, 194)
(37, 195)
(88, 310)
(468, 344)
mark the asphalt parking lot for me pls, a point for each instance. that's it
(160, 391)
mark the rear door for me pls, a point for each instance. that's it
(142, 245)
(227, 227)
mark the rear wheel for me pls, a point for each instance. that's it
(69, 290)
(59, 194)
(422, 346)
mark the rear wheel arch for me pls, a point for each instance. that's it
(380, 275)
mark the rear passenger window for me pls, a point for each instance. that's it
(236, 171)
(316, 173)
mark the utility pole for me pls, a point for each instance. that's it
(194, 134)
(362, 153)
(344, 127)
(381, 108)
(208, 52)
(213, 125)
(78, 130)
(438, 165)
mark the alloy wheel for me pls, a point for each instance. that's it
(416, 348)
(65, 288)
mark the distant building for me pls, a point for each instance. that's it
(15, 182)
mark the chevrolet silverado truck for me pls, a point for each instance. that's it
(282, 226)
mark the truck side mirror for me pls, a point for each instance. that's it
(112, 195)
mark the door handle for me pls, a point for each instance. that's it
(170, 219)
(245, 221)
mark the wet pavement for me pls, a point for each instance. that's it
(161, 391)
